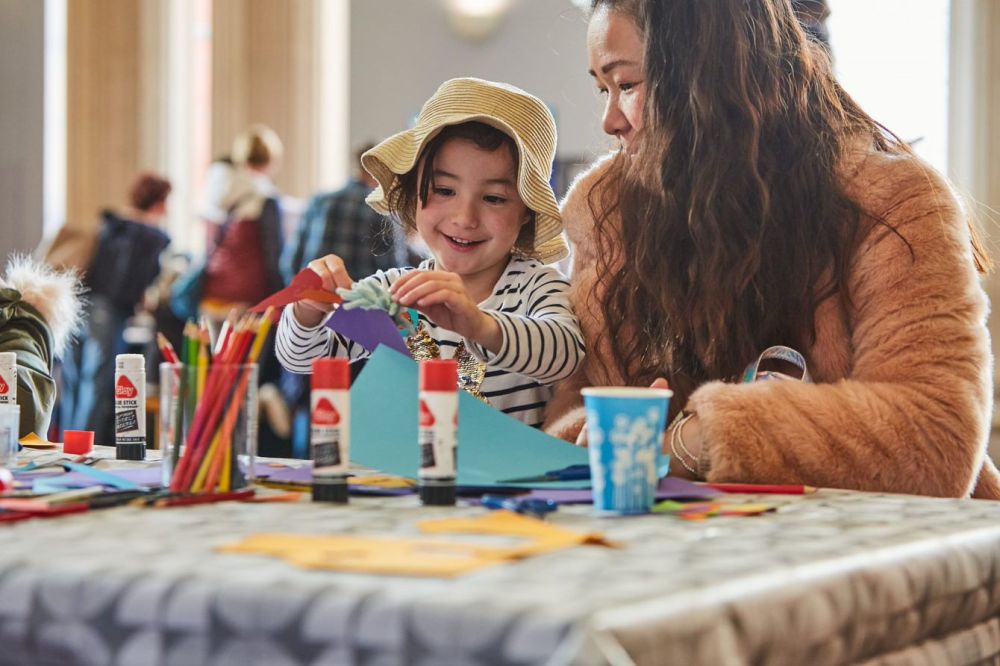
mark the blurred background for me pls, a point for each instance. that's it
(97, 91)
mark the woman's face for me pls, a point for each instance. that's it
(616, 56)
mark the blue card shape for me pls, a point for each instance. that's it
(491, 445)
(369, 328)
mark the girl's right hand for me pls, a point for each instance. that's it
(334, 275)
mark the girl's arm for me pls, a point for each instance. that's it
(298, 343)
(543, 340)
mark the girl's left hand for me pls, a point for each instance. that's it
(443, 298)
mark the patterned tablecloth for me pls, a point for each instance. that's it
(830, 578)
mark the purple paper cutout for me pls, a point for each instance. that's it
(369, 328)
(671, 487)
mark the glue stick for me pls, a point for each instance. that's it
(8, 378)
(130, 407)
(438, 431)
(330, 428)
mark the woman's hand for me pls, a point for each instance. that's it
(443, 298)
(334, 275)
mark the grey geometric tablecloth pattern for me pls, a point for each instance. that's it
(831, 578)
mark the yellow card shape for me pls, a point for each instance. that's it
(381, 481)
(546, 536)
(376, 555)
(33, 441)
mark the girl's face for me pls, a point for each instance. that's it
(473, 212)
(617, 60)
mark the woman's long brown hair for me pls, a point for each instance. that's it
(732, 221)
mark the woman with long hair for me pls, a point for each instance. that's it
(753, 203)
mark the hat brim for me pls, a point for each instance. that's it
(398, 154)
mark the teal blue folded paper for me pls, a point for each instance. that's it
(491, 445)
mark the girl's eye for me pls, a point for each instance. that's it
(493, 199)
(602, 91)
(625, 87)
(443, 191)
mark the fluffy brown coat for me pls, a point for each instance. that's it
(903, 382)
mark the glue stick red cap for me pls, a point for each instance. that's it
(331, 373)
(438, 375)
(78, 442)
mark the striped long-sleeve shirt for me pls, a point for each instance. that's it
(541, 345)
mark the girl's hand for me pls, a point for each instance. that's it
(443, 298)
(334, 275)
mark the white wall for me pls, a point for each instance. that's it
(22, 41)
(402, 51)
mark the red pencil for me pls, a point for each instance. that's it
(763, 489)
(187, 500)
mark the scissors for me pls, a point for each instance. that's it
(531, 505)
(571, 473)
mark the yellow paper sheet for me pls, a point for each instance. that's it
(33, 441)
(420, 556)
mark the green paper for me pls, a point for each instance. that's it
(491, 445)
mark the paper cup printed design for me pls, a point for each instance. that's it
(625, 430)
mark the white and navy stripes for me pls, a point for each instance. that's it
(542, 343)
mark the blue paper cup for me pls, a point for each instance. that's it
(625, 433)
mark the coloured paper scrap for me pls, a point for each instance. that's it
(491, 445)
(369, 328)
(421, 556)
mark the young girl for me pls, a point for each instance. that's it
(472, 179)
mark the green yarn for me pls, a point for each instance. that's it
(370, 295)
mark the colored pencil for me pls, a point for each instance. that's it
(763, 489)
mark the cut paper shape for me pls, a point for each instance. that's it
(491, 445)
(84, 476)
(670, 488)
(704, 510)
(307, 284)
(369, 328)
(419, 556)
(33, 441)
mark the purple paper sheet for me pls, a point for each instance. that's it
(146, 476)
(369, 328)
(285, 474)
(671, 487)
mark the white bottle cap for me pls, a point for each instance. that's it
(130, 362)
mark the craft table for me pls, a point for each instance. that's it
(831, 578)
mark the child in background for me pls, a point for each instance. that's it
(471, 177)
(39, 311)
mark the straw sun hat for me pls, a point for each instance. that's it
(514, 112)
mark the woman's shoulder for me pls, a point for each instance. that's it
(897, 184)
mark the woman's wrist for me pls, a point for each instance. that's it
(686, 446)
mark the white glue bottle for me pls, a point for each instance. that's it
(438, 431)
(130, 407)
(8, 378)
(330, 428)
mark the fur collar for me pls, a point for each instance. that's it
(55, 294)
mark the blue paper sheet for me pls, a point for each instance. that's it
(491, 445)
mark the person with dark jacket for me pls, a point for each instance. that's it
(125, 264)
